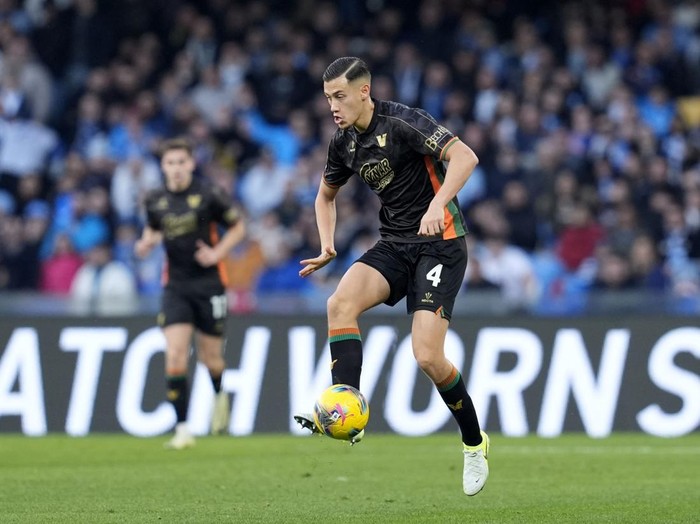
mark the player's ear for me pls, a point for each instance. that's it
(364, 92)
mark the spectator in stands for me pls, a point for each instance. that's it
(33, 78)
(263, 186)
(500, 263)
(102, 285)
(210, 96)
(59, 269)
(549, 92)
(647, 268)
(17, 267)
(520, 215)
(613, 270)
(131, 180)
(599, 77)
(36, 217)
(26, 146)
(580, 237)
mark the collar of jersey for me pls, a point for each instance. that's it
(372, 122)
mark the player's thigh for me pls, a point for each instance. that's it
(361, 288)
(391, 261)
(438, 277)
(175, 307)
(176, 319)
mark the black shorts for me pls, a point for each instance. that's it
(428, 274)
(205, 307)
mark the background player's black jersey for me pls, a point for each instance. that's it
(400, 156)
(184, 218)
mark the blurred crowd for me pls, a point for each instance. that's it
(585, 117)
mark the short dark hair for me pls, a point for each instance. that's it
(173, 144)
(350, 67)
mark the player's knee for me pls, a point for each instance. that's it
(426, 361)
(340, 308)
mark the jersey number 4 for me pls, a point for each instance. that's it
(434, 275)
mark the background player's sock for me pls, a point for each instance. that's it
(178, 394)
(454, 393)
(346, 356)
(216, 382)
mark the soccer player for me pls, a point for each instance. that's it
(185, 216)
(421, 255)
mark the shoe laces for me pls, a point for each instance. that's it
(473, 464)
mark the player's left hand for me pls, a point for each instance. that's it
(314, 264)
(205, 255)
(433, 222)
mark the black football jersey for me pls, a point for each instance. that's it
(184, 218)
(401, 157)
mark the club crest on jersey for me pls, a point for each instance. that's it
(194, 200)
(381, 140)
(162, 203)
(351, 147)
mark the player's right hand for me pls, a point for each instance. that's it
(142, 248)
(313, 264)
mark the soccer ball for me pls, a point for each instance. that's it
(341, 412)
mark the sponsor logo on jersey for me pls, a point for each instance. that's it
(432, 141)
(178, 225)
(428, 298)
(381, 140)
(377, 176)
(162, 203)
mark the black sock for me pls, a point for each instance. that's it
(178, 395)
(216, 382)
(346, 356)
(454, 393)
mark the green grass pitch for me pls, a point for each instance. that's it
(285, 479)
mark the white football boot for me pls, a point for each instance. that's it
(221, 413)
(182, 439)
(476, 466)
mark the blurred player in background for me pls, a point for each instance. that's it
(421, 255)
(185, 216)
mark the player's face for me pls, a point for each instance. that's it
(178, 165)
(347, 101)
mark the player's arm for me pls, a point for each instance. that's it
(461, 162)
(325, 220)
(207, 256)
(150, 238)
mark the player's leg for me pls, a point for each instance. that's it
(178, 337)
(210, 353)
(438, 278)
(428, 335)
(361, 288)
(211, 309)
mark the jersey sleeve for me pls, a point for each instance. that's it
(152, 217)
(425, 135)
(336, 173)
(223, 211)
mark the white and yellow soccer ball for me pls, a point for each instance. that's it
(341, 412)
